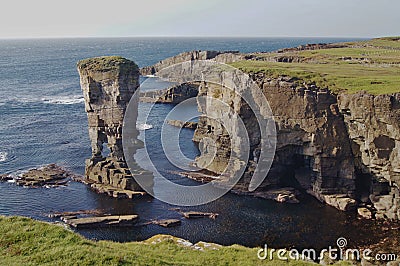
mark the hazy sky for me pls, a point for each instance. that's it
(302, 18)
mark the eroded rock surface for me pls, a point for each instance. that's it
(225, 56)
(51, 175)
(173, 95)
(108, 84)
(182, 124)
(343, 149)
(373, 124)
(102, 221)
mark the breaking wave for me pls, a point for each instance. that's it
(143, 126)
(3, 156)
(64, 99)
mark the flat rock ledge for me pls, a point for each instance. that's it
(112, 191)
(51, 175)
(116, 192)
(101, 221)
(168, 222)
(195, 214)
(283, 195)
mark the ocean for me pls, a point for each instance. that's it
(43, 121)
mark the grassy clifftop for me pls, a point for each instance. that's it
(107, 63)
(373, 66)
(24, 241)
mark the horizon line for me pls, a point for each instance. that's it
(185, 37)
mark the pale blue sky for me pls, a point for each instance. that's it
(271, 18)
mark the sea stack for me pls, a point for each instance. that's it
(108, 84)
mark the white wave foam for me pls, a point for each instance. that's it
(143, 126)
(3, 156)
(64, 99)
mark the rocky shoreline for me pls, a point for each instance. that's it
(342, 148)
(51, 175)
(282, 194)
(99, 218)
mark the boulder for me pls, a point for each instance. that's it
(364, 213)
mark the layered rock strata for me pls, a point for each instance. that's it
(373, 125)
(312, 150)
(341, 148)
(108, 84)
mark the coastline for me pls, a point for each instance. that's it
(391, 241)
(25, 241)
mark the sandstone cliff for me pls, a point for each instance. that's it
(342, 148)
(108, 84)
(312, 145)
(373, 125)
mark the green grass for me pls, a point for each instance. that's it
(24, 241)
(107, 63)
(372, 66)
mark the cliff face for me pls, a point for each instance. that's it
(312, 149)
(343, 149)
(108, 84)
(312, 140)
(373, 124)
(226, 56)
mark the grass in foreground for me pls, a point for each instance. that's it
(372, 66)
(24, 241)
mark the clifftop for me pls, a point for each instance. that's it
(372, 66)
(106, 64)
